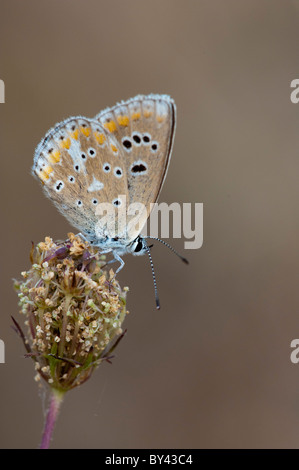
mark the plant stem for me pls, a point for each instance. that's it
(55, 402)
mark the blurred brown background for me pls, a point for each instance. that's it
(212, 368)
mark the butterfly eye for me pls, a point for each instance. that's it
(154, 147)
(146, 139)
(59, 186)
(71, 179)
(136, 138)
(118, 172)
(138, 245)
(91, 152)
(106, 167)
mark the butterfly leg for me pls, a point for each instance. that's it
(120, 260)
(111, 261)
(83, 237)
(116, 258)
(122, 263)
(89, 241)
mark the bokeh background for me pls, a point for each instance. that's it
(212, 368)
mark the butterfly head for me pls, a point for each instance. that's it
(138, 246)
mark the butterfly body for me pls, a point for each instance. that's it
(119, 246)
(119, 158)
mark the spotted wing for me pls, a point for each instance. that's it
(80, 165)
(144, 128)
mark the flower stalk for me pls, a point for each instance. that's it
(52, 414)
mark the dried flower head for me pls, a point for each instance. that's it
(74, 310)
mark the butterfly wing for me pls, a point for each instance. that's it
(144, 128)
(80, 165)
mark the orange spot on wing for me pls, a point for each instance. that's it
(75, 134)
(45, 173)
(160, 118)
(123, 120)
(147, 113)
(54, 157)
(85, 131)
(43, 176)
(65, 144)
(100, 137)
(48, 170)
(114, 149)
(111, 126)
(136, 116)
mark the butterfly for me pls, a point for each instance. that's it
(119, 158)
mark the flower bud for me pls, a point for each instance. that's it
(74, 311)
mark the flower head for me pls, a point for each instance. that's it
(74, 310)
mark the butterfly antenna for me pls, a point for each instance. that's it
(170, 247)
(154, 277)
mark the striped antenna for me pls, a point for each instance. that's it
(154, 277)
(170, 247)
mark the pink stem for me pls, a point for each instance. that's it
(55, 402)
